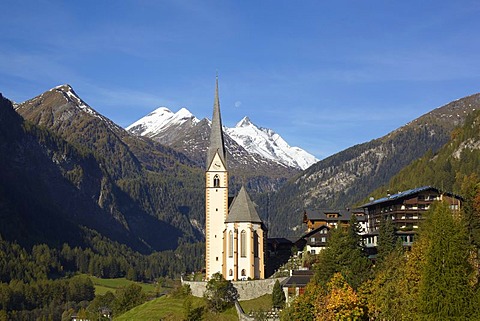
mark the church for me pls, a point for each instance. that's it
(235, 234)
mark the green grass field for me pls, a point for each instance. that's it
(168, 309)
(102, 286)
(263, 303)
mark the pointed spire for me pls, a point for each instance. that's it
(216, 133)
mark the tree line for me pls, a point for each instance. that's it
(437, 279)
(43, 281)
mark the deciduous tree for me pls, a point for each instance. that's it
(220, 293)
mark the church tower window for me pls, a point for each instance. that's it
(243, 241)
(216, 181)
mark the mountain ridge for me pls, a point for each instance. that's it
(165, 126)
(133, 186)
(347, 177)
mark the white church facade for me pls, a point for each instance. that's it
(235, 234)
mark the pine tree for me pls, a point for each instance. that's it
(445, 290)
(278, 296)
(345, 254)
(386, 239)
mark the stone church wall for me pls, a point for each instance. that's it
(246, 289)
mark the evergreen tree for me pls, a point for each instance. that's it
(471, 207)
(345, 254)
(388, 293)
(278, 296)
(445, 290)
(386, 239)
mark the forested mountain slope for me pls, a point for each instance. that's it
(144, 190)
(452, 168)
(351, 175)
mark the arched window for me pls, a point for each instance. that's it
(243, 244)
(230, 244)
(230, 272)
(216, 181)
(244, 273)
(256, 244)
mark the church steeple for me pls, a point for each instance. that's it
(216, 134)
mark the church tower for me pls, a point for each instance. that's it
(216, 193)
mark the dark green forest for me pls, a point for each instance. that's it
(42, 282)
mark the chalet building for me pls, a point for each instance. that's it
(319, 223)
(331, 218)
(295, 284)
(235, 234)
(406, 210)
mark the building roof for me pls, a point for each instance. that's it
(298, 279)
(321, 215)
(243, 209)
(314, 231)
(216, 133)
(405, 194)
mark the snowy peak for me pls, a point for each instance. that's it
(160, 120)
(166, 127)
(71, 96)
(269, 144)
(244, 122)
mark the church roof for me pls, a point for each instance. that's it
(243, 209)
(216, 133)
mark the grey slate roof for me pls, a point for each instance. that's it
(407, 193)
(243, 209)
(321, 214)
(216, 133)
(298, 279)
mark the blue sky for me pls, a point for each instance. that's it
(325, 75)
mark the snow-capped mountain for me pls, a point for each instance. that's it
(266, 142)
(161, 120)
(165, 126)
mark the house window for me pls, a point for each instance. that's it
(216, 181)
(230, 244)
(324, 239)
(312, 240)
(312, 251)
(230, 272)
(244, 273)
(243, 244)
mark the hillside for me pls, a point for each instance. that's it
(351, 175)
(457, 163)
(135, 187)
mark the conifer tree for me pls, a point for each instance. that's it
(445, 290)
(345, 254)
(386, 239)
(278, 296)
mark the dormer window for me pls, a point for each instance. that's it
(216, 181)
